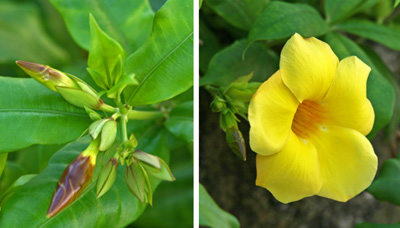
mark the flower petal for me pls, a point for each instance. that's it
(271, 113)
(291, 174)
(346, 102)
(347, 160)
(307, 66)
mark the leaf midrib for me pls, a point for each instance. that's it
(56, 112)
(150, 73)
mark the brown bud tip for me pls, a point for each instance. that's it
(236, 143)
(34, 67)
(73, 181)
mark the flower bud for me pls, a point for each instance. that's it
(235, 141)
(149, 159)
(46, 75)
(218, 104)
(135, 180)
(107, 177)
(74, 179)
(162, 173)
(108, 134)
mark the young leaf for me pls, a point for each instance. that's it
(241, 13)
(280, 20)
(387, 36)
(379, 91)
(210, 214)
(127, 21)
(163, 65)
(43, 116)
(104, 57)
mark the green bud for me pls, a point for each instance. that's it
(46, 75)
(107, 177)
(74, 179)
(132, 142)
(218, 104)
(149, 159)
(92, 114)
(135, 180)
(227, 119)
(235, 141)
(108, 134)
(80, 98)
(164, 173)
(96, 127)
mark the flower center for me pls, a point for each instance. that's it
(308, 119)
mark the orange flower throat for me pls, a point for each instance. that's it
(308, 119)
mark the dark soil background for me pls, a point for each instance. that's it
(231, 182)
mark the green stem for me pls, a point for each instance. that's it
(107, 108)
(124, 133)
(144, 115)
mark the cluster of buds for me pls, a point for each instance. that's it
(231, 101)
(71, 88)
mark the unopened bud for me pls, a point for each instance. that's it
(163, 173)
(235, 141)
(107, 177)
(218, 104)
(149, 159)
(74, 179)
(135, 180)
(46, 75)
(108, 134)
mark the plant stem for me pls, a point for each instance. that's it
(108, 108)
(144, 115)
(124, 133)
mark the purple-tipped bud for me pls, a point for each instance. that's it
(74, 180)
(46, 75)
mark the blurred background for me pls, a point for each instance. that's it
(230, 181)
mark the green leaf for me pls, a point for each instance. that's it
(180, 121)
(385, 71)
(104, 55)
(379, 91)
(164, 64)
(116, 208)
(239, 13)
(388, 36)
(210, 214)
(227, 65)
(279, 20)
(374, 225)
(396, 3)
(24, 37)
(129, 22)
(209, 45)
(336, 10)
(3, 160)
(386, 186)
(32, 114)
(16, 185)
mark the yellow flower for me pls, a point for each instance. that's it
(308, 125)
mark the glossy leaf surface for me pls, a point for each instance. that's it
(180, 121)
(164, 64)
(32, 114)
